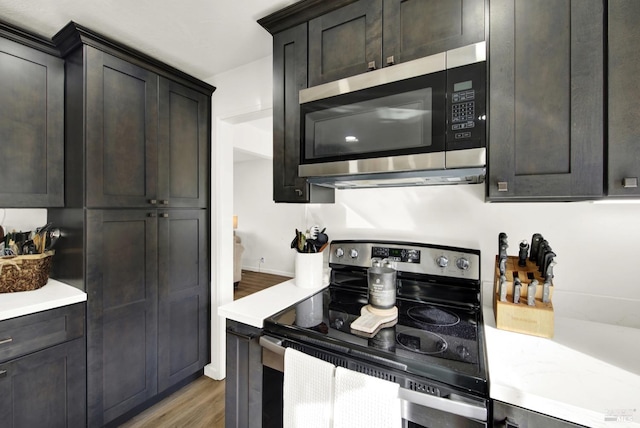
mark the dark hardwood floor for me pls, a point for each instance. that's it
(200, 404)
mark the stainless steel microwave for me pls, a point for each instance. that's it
(416, 123)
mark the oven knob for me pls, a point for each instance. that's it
(462, 263)
(442, 261)
(353, 253)
(339, 252)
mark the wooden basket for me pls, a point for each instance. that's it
(24, 273)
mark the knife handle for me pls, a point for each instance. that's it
(522, 255)
(536, 239)
(531, 292)
(542, 249)
(516, 290)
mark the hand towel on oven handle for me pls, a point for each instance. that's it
(307, 391)
(363, 401)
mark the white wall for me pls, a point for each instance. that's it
(22, 219)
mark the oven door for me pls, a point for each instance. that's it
(419, 410)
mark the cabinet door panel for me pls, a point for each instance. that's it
(183, 295)
(122, 311)
(419, 28)
(624, 101)
(46, 388)
(343, 42)
(183, 147)
(121, 132)
(31, 127)
(545, 108)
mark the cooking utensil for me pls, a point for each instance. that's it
(545, 291)
(522, 255)
(503, 288)
(531, 292)
(516, 290)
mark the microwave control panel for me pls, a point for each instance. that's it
(466, 106)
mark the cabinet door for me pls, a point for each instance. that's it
(344, 42)
(121, 132)
(183, 146)
(122, 262)
(46, 388)
(183, 283)
(31, 127)
(545, 103)
(624, 98)
(417, 28)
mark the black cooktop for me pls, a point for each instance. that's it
(430, 339)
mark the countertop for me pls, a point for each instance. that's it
(253, 309)
(587, 371)
(53, 294)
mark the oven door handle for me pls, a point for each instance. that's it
(448, 405)
(272, 344)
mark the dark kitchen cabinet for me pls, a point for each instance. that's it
(183, 297)
(136, 220)
(289, 76)
(122, 322)
(31, 121)
(508, 416)
(545, 104)
(43, 369)
(623, 99)
(370, 34)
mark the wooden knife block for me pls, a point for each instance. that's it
(520, 317)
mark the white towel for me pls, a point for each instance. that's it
(363, 401)
(307, 392)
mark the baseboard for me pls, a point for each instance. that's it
(270, 271)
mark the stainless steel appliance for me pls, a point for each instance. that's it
(436, 351)
(417, 123)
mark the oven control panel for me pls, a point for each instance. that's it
(424, 259)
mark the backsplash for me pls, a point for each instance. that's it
(20, 219)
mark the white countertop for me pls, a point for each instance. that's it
(586, 371)
(254, 308)
(53, 294)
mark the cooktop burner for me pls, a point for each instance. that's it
(433, 316)
(422, 342)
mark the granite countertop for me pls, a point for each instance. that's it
(53, 294)
(587, 372)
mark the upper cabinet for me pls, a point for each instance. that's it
(137, 134)
(31, 121)
(624, 98)
(546, 94)
(370, 34)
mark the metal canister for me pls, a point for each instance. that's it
(382, 284)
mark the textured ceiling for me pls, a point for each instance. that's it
(199, 37)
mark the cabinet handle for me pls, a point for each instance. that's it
(630, 182)
(509, 423)
(3, 373)
(7, 340)
(503, 186)
(390, 60)
(298, 192)
(164, 215)
(164, 202)
(153, 201)
(372, 65)
(151, 215)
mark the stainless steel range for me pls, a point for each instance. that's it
(435, 350)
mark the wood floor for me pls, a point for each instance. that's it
(201, 403)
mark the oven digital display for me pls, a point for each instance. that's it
(397, 254)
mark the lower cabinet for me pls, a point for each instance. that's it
(243, 386)
(147, 320)
(508, 416)
(45, 384)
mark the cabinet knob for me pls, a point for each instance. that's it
(153, 201)
(630, 182)
(372, 65)
(503, 186)
(390, 60)
(151, 215)
(164, 215)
